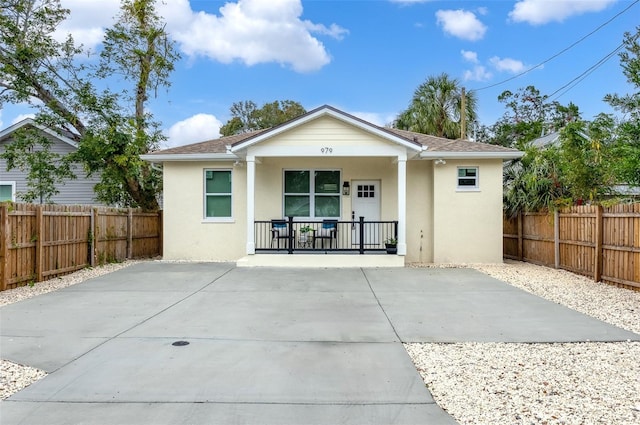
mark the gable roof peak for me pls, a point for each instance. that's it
(327, 110)
(4, 134)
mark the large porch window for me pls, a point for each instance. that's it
(312, 193)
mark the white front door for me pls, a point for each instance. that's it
(365, 202)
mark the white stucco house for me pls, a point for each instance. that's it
(352, 184)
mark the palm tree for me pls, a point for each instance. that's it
(435, 108)
(533, 182)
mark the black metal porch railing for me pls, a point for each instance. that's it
(287, 235)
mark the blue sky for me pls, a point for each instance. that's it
(367, 57)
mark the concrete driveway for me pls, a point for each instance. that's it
(265, 346)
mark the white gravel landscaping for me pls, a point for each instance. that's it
(507, 383)
(496, 383)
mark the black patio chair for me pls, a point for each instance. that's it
(328, 231)
(280, 231)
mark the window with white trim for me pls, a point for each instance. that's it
(468, 178)
(217, 194)
(312, 193)
(7, 191)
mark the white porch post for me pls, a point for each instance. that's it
(251, 212)
(402, 205)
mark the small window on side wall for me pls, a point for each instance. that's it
(217, 194)
(7, 191)
(468, 178)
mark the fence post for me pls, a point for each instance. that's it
(597, 270)
(556, 238)
(520, 239)
(4, 246)
(92, 239)
(130, 233)
(160, 233)
(39, 244)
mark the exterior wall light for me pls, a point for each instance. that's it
(346, 188)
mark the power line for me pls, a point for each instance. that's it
(586, 73)
(560, 52)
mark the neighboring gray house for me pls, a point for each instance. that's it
(78, 191)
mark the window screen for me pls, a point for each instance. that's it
(217, 193)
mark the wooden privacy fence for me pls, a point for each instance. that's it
(600, 242)
(38, 242)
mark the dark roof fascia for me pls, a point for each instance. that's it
(505, 155)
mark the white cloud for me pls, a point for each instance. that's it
(87, 20)
(197, 128)
(461, 23)
(376, 118)
(22, 117)
(539, 12)
(507, 64)
(251, 31)
(478, 73)
(469, 56)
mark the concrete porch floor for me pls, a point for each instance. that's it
(321, 259)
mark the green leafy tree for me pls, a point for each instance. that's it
(533, 182)
(111, 128)
(246, 116)
(435, 108)
(528, 115)
(30, 152)
(627, 146)
(577, 169)
(584, 160)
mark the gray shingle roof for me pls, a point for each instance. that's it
(429, 143)
(441, 144)
(209, 146)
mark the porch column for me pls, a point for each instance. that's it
(402, 205)
(251, 212)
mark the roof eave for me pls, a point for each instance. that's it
(471, 155)
(189, 157)
(30, 121)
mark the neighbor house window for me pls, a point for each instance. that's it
(312, 193)
(468, 178)
(217, 194)
(7, 191)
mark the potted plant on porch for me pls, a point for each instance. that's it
(306, 236)
(392, 245)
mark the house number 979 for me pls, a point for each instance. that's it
(326, 150)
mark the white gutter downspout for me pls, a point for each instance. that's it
(251, 212)
(402, 204)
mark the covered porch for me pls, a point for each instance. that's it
(318, 186)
